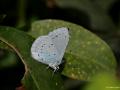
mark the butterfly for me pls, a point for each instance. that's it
(50, 49)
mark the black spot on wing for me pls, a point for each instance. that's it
(56, 35)
(51, 44)
(54, 54)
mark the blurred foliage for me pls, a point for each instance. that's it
(99, 16)
(104, 81)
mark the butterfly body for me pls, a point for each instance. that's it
(50, 49)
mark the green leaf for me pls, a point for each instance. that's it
(86, 53)
(37, 77)
(103, 81)
(7, 59)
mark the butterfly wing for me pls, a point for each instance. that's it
(43, 50)
(50, 49)
(60, 38)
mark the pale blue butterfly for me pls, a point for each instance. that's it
(50, 49)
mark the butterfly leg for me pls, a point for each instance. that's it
(55, 69)
(47, 67)
(54, 66)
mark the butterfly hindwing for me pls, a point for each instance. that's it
(44, 50)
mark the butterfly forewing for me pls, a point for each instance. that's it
(60, 38)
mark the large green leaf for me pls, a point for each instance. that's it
(37, 77)
(86, 53)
